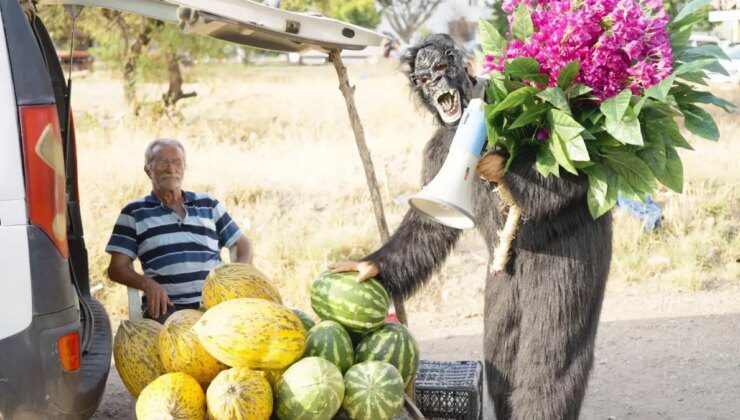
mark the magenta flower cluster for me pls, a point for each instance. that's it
(618, 43)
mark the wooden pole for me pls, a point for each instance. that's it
(367, 163)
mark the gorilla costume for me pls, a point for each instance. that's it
(542, 311)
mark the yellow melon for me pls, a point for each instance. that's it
(272, 376)
(180, 350)
(172, 396)
(236, 280)
(136, 355)
(239, 394)
(252, 333)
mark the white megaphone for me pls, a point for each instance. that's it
(447, 198)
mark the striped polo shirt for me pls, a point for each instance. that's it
(175, 252)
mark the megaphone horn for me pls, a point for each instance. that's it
(447, 198)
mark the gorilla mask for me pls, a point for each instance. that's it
(438, 74)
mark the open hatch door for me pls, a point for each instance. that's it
(246, 22)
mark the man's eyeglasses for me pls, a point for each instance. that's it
(163, 164)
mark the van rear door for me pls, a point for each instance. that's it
(247, 22)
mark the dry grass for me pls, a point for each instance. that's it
(274, 144)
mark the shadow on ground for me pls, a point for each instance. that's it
(665, 368)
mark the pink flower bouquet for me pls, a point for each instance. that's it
(595, 86)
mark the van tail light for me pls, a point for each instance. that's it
(44, 167)
(69, 351)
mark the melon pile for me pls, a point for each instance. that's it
(246, 356)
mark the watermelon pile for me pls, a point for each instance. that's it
(246, 356)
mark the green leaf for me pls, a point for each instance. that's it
(604, 139)
(576, 149)
(670, 133)
(523, 27)
(530, 115)
(699, 122)
(653, 110)
(695, 77)
(638, 106)
(556, 97)
(577, 89)
(615, 107)
(672, 176)
(695, 65)
(689, 9)
(627, 130)
(563, 124)
(514, 99)
(496, 91)
(568, 73)
(703, 51)
(493, 136)
(522, 66)
(716, 67)
(708, 98)
(491, 40)
(581, 165)
(512, 85)
(624, 189)
(660, 90)
(587, 135)
(513, 149)
(680, 37)
(546, 163)
(558, 151)
(653, 154)
(598, 200)
(633, 169)
(526, 68)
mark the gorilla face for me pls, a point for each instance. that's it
(440, 78)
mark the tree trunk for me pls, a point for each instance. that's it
(174, 92)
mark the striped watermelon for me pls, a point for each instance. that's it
(308, 323)
(393, 343)
(373, 391)
(356, 336)
(359, 306)
(330, 341)
(311, 389)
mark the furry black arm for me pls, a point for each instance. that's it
(415, 250)
(419, 246)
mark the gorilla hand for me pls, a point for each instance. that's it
(365, 269)
(491, 167)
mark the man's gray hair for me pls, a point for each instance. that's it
(149, 154)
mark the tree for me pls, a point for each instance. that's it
(139, 47)
(407, 16)
(498, 18)
(358, 12)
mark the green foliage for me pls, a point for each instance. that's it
(626, 144)
(358, 12)
(498, 19)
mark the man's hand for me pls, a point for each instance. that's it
(156, 298)
(366, 269)
(491, 167)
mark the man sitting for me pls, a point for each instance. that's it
(177, 235)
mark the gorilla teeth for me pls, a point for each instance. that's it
(448, 101)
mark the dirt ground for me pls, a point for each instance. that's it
(660, 354)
